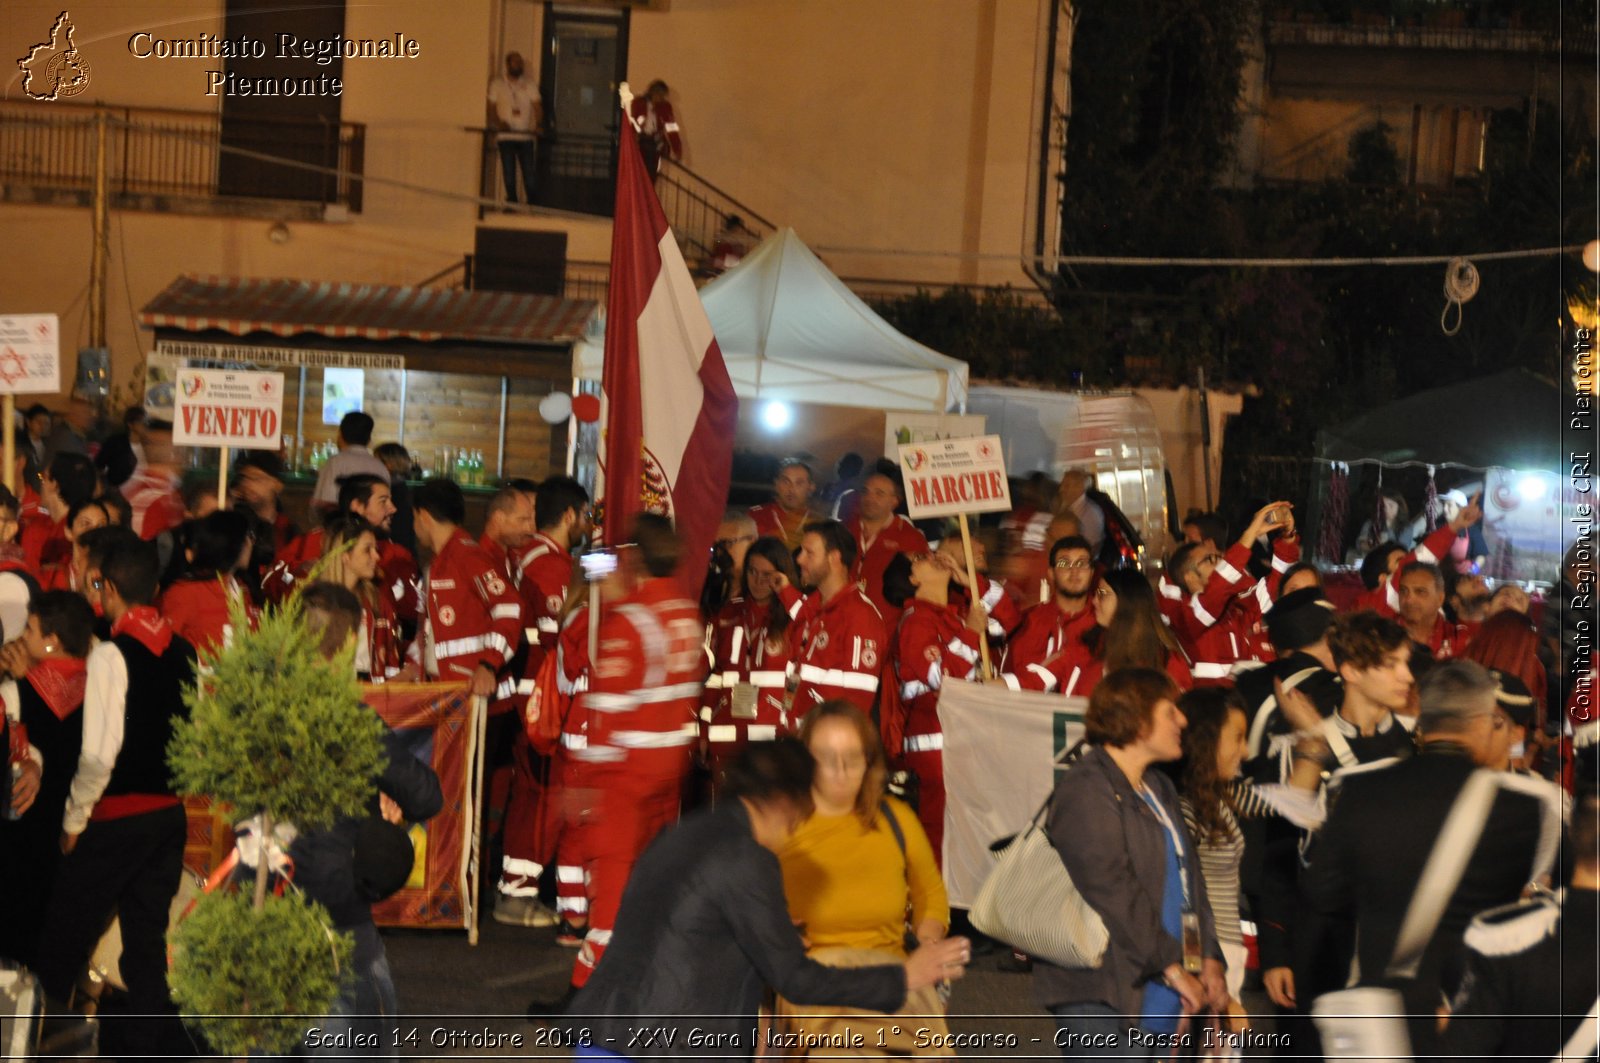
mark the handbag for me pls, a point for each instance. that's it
(1369, 1022)
(1029, 902)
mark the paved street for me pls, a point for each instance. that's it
(468, 1001)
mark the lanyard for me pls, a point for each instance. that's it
(1177, 840)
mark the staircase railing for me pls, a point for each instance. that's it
(698, 212)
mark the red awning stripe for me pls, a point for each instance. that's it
(281, 307)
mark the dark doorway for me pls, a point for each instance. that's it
(303, 127)
(585, 60)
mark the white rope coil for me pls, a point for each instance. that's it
(1460, 285)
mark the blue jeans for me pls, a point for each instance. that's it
(1096, 1031)
(366, 1005)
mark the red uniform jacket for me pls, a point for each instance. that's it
(198, 610)
(933, 643)
(899, 536)
(836, 648)
(1081, 670)
(644, 687)
(473, 614)
(1039, 645)
(1222, 625)
(397, 572)
(741, 652)
(155, 501)
(384, 657)
(666, 123)
(772, 519)
(544, 576)
(44, 544)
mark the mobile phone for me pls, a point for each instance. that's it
(598, 564)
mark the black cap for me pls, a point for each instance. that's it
(1299, 619)
(1513, 698)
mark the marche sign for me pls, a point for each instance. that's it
(228, 408)
(954, 477)
(30, 364)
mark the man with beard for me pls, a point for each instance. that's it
(367, 497)
(881, 535)
(837, 643)
(1049, 627)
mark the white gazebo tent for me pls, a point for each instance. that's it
(790, 330)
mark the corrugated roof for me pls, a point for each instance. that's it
(242, 305)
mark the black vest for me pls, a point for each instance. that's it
(154, 702)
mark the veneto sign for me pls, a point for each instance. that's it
(945, 477)
(228, 408)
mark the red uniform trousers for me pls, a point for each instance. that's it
(634, 801)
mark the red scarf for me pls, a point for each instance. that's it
(148, 626)
(60, 682)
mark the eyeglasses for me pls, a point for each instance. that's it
(1209, 559)
(1104, 592)
(1072, 566)
(726, 544)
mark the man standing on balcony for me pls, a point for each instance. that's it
(516, 114)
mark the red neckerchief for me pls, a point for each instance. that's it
(60, 682)
(148, 626)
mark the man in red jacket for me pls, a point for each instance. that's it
(1049, 627)
(881, 536)
(643, 691)
(472, 616)
(837, 643)
(788, 514)
(656, 126)
(542, 573)
(1221, 624)
(369, 498)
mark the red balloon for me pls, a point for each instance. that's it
(586, 408)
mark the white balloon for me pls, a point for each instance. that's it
(1591, 255)
(555, 407)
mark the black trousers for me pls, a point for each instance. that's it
(129, 868)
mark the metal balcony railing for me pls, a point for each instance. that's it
(1383, 34)
(176, 155)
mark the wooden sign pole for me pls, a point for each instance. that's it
(972, 591)
(8, 415)
(222, 481)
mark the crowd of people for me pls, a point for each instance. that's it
(1252, 756)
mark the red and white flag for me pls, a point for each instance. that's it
(669, 407)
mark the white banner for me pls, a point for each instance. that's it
(999, 747)
(30, 354)
(228, 408)
(945, 477)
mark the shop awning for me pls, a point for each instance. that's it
(245, 305)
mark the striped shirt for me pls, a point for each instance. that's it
(1219, 861)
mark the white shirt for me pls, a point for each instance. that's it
(350, 461)
(105, 699)
(516, 102)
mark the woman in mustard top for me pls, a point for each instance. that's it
(856, 884)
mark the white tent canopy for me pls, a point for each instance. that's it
(789, 329)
